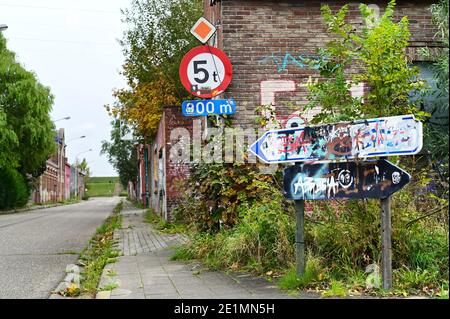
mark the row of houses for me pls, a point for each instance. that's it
(265, 41)
(60, 180)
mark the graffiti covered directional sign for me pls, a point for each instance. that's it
(205, 71)
(357, 180)
(388, 136)
(208, 107)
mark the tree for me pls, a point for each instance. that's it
(84, 167)
(121, 153)
(27, 137)
(375, 56)
(14, 191)
(142, 104)
(157, 38)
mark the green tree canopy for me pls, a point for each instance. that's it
(121, 153)
(374, 55)
(27, 136)
(156, 40)
(84, 167)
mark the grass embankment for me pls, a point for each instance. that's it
(101, 186)
(100, 252)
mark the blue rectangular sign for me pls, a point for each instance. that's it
(208, 107)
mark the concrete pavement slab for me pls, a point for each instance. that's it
(160, 278)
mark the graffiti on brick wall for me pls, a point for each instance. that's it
(270, 88)
(294, 119)
(299, 61)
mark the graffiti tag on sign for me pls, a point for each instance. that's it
(388, 136)
(208, 107)
(356, 180)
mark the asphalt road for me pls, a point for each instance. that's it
(36, 246)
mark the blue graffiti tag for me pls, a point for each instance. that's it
(301, 61)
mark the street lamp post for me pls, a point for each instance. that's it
(76, 138)
(63, 118)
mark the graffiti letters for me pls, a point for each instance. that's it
(299, 61)
(370, 179)
(397, 135)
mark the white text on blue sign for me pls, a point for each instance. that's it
(208, 107)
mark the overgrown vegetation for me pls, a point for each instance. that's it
(436, 133)
(14, 191)
(25, 124)
(162, 225)
(242, 222)
(100, 252)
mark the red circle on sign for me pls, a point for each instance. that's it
(219, 63)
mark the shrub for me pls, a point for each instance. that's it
(14, 190)
(216, 194)
(263, 239)
(311, 276)
(337, 289)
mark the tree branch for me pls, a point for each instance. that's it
(408, 224)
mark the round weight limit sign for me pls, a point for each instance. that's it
(205, 71)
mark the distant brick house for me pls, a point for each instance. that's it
(50, 186)
(159, 178)
(60, 180)
(67, 171)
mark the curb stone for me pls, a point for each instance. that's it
(32, 208)
(105, 294)
(72, 277)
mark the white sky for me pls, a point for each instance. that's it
(72, 47)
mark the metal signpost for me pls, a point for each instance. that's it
(208, 107)
(320, 178)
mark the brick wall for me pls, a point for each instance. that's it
(258, 35)
(166, 175)
(176, 172)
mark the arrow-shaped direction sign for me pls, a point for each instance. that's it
(208, 107)
(368, 179)
(387, 136)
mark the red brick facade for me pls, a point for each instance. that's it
(160, 178)
(51, 184)
(258, 35)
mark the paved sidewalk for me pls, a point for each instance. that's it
(145, 271)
